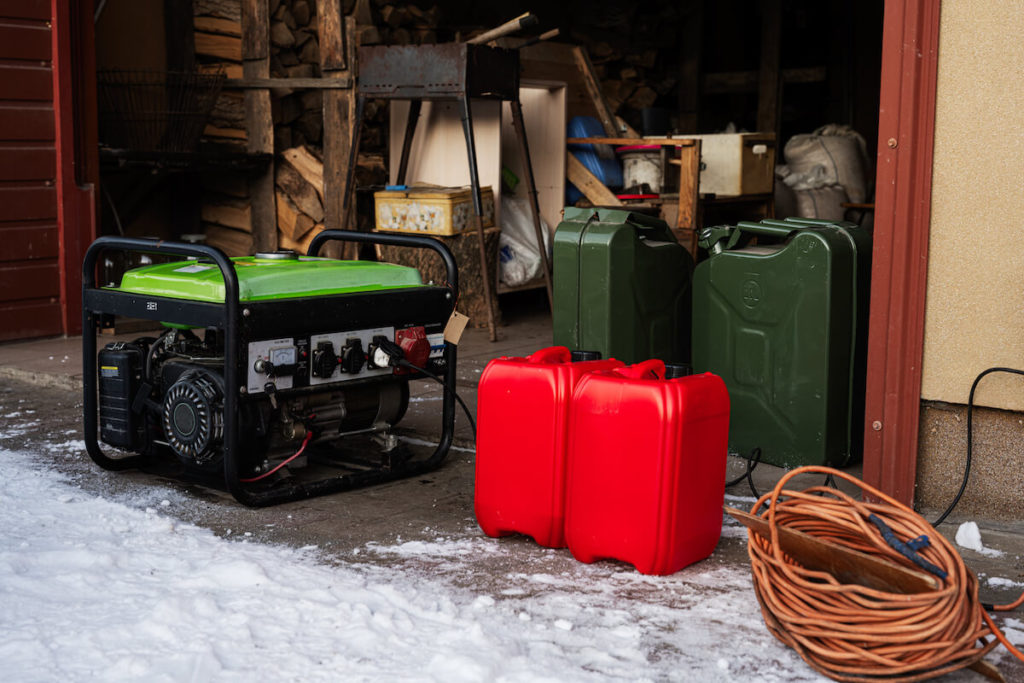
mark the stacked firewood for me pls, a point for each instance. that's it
(297, 113)
(634, 50)
(396, 23)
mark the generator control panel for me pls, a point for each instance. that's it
(328, 358)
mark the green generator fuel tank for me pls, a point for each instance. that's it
(784, 322)
(276, 275)
(621, 286)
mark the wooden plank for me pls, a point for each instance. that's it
(664, 142)
(846, 564)
(332, 35)
(30, 319)
(689, 182)
(23, 161)
(255, 39)
(332, 83)
(587, 183)
(26, 121)
(215, 45)
(604, 112)
(339, 116)
(24, 41)
(26, 82)
(28, 202)
(28, 241)
(259, 122)
(26, 9)
(29, 280)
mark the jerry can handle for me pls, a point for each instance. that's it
(552, 354)
(767, 228)
(648, 369)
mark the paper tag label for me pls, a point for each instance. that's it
(455, 327)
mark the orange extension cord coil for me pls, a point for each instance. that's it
(850, 632)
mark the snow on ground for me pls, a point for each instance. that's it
(96, 590)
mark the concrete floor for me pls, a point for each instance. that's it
(45, 377)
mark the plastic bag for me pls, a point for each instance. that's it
(519, 257)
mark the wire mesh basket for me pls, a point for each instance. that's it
(155, 111)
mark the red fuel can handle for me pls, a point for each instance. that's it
(646, 459)
(522, 435)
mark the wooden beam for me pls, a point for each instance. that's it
(664, 142)
(337, 55)
(587, 183)
(331, 32)
(259, 122)
(689, 182)
(604, 112)
(294, 83)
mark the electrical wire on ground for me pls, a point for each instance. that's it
(851, 632)
(465, 408)
(970, 439)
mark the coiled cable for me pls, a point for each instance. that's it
(851, 632)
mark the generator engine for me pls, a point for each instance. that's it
(168, 393)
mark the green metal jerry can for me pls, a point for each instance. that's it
(784, 323)
(621, 286)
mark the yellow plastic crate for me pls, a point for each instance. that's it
(431, 210)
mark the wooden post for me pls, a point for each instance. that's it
(258, 121)
(604, 112)
(337, 57)
(689, 184)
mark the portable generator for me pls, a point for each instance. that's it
(279, 376)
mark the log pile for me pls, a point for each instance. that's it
(297, 113)
(634, 50)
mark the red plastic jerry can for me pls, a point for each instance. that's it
(522, 433)
(647, 458)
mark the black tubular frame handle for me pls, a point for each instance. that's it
(230, 326)
(230, 322)
(414, 241)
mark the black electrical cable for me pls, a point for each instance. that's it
(404, 363)
(970, 434)
(752, 461)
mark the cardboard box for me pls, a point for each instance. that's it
(430, 210)
(736, 163)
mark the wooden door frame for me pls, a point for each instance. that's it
(906, 127)
(75, 139)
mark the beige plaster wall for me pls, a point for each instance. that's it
(975, 303)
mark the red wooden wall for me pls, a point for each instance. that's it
(30, 281)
